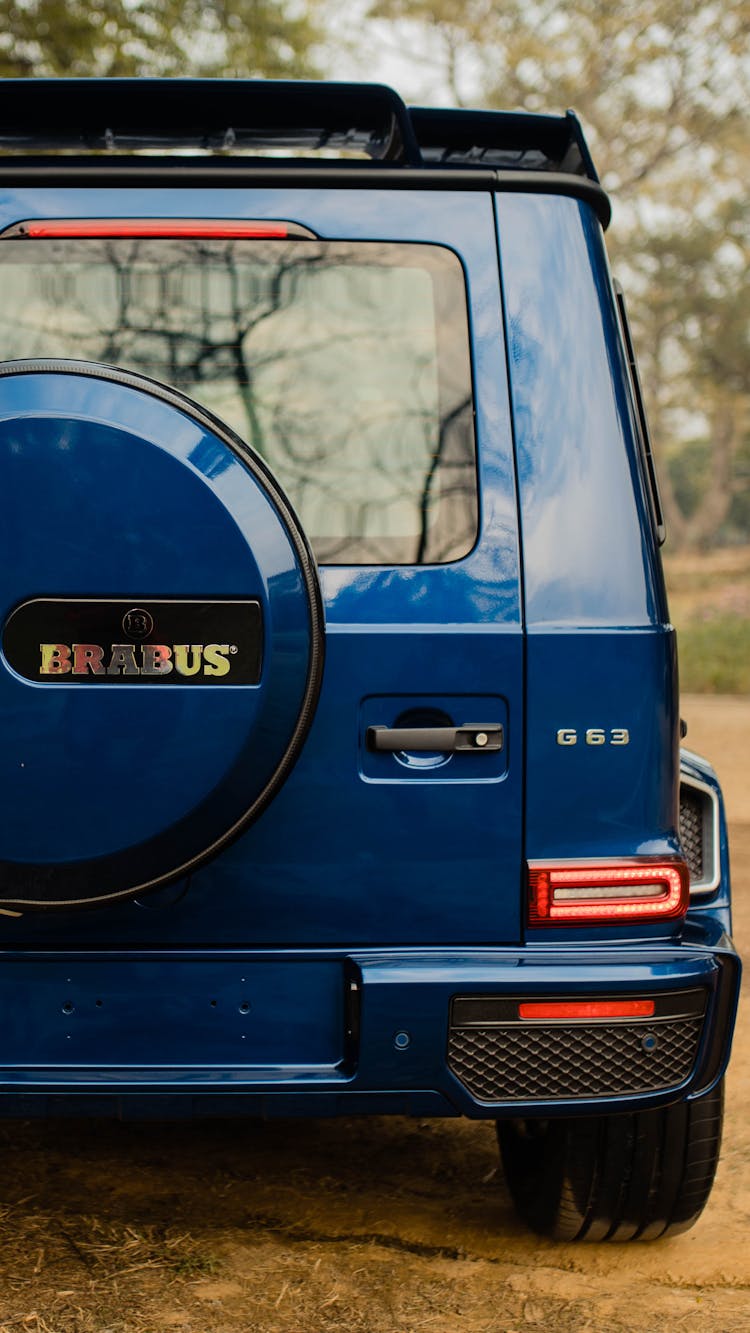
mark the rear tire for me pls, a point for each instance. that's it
(614, 1177)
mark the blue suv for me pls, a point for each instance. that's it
(340, 762)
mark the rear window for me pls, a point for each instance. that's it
(346, 366)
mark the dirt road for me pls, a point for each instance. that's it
(386, 1226)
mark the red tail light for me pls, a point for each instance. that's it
(637, 890)
(201, 228)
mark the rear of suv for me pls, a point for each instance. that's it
(338, 682)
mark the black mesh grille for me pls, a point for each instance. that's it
(526, 1062)
(691, 830)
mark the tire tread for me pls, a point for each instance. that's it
(637, 1176)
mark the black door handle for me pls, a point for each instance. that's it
(485, 737)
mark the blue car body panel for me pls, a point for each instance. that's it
(600, 650)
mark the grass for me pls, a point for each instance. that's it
(709, 598)
(715, 656)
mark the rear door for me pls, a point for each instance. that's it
(377, 391)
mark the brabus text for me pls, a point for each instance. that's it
(127, 659)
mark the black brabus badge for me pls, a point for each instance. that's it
(83, 641)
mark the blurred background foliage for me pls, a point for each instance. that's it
(663, 90)
(119, 38)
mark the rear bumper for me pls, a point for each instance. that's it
(392, 991)
(326, 1034)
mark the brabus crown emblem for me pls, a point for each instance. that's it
(137, 623)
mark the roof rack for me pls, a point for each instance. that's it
(75, 129)
(231, 114)
(220, 115)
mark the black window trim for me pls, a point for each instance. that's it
(644, 435)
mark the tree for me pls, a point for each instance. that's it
(116, 38)
(662, 88)
(694, 327)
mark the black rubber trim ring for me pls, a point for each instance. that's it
(308, 567)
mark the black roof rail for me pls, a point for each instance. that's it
(513, 140)
(112, 114)
(110, 131)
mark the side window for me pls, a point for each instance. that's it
(644, 438)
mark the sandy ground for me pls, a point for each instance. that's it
(719, 728)
(386, 1226)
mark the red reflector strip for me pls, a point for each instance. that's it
(640, 891)
(167, 227)
(587, 1009)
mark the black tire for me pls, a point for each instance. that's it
(614, 1177)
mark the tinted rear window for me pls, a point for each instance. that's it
(346, 366)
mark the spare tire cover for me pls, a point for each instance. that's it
(162, 634)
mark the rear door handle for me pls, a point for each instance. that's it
(485, 737)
